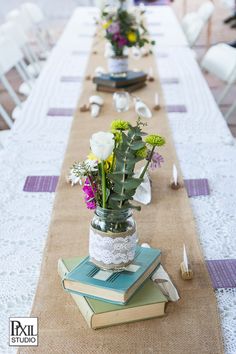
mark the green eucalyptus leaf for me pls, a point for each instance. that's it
(138, 145)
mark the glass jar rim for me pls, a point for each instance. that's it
(119, 213)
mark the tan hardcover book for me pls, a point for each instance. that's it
(114, 89)
(148, 302)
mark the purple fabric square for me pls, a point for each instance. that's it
(63, 112)
(40, 184)
(197, 187)
(71, 79)
(157, 34)
(176, 109)
(170, 80)
(80, 52)
(222, 273)
(162, 55)
(154, 3)
(154, 24)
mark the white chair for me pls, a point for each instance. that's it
(13, 31)
(6, 117)
(220, 61)
(4, 134)
(11, 57)
(22, 28)
(13, 54)
(206, 10)
(37, 18)
(194, 22)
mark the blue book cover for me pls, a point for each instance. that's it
(117, 287)
(131, 78)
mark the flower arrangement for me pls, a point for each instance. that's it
(124, 29)
(108, 174)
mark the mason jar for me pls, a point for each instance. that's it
(118, 66)
(112, 238)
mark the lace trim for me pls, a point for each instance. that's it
(112, 250)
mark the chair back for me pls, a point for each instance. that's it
(33, 11)
(15, 32)
(220, 60)
(192, 26)
(206, 11)
(10, 54)
(21, 19)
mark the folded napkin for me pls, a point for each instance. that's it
(162, 279)
(143, 193)
(142, 109)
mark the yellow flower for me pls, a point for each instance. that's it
(119, 124)
(155, 140)
(132, 37)
(107, 162)
(143, 152)
(107, 24)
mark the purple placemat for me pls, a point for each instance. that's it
(154, 24)
(222, 273)
(197, 187)
(40, 184)
(71, 79)
(170, 80)
(80, 52)
(176, 108)
(157, 34)
(154, 3)
(62, 112)
(162, 55)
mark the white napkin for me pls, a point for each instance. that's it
(162, 279)
(143, 193)
(99, 71)
(142, 109)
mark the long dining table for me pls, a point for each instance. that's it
(36, 147)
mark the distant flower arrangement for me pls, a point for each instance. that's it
(124, 29)
(108, 174)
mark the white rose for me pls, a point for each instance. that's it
(102, 145)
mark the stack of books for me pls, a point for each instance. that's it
(107, 298)
(133, 80)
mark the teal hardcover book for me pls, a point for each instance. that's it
(116, 287)
(131, 78)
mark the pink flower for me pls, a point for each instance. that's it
(89, 194)
(114, 28)
(122, 41)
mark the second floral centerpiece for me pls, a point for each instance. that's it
(123, 29)
(109, 183)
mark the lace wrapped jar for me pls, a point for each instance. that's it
(118, 66)
(112, 239)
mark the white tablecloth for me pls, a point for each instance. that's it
(204, 145)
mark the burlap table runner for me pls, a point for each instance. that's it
(192, 324)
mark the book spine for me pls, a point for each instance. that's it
(80, 301)
(84, 308)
